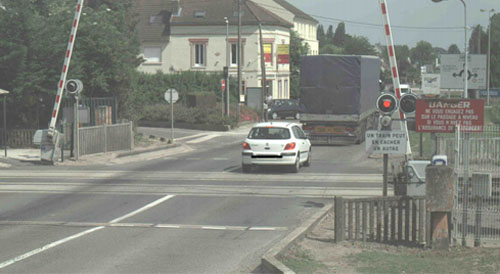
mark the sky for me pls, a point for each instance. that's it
(403, 13)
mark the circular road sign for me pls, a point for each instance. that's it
(175, 95)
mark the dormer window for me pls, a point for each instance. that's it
(199, 14)
(155, 19)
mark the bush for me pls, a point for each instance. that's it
(495, 114)
(182, 114)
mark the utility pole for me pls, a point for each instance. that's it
(262, 67)
(239, 57)
(228, 64)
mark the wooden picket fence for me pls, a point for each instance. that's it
(382, 219)
(18, 138)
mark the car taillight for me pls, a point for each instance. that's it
(246, 146)
(290, 146)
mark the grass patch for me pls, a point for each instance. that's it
(301, 261)
(457, 260)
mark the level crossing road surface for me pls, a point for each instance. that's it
(189, 212)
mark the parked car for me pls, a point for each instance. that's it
(283, 108)
(276, 143)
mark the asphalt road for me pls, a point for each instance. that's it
(186, 212)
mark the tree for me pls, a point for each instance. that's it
(340, 36)
(329, 35)
(297, 50)
(423, 54)
(33, 46)
(478, 42)
(358, 45)
(331, 49)
(495, 51)
(320, 33)
(453, 49)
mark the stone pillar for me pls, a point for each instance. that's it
(439, 182)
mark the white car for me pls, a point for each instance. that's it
(276, 143)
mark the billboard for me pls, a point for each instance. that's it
(443, 115)
(431, 83)
(283, 54)
(452, 71)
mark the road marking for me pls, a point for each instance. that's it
(142, 225)
(48, 246)
(190, 136)
(214, 227)
(202, 139)
(191, 190)
(78, 235)
(144, 208)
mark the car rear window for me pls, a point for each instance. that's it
(274, 133)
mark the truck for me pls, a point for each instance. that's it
(338, 97)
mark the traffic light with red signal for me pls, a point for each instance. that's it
(387, 103)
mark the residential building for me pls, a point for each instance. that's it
(190, 35)
(304, 24)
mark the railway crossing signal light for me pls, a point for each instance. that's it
(387, 103)
(408, 103)
(74, 87)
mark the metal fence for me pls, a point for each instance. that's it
(106, 138)
(18, 138)
(382, 219)
(476, 158)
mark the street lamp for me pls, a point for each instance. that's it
(489, 51)
(466, 68)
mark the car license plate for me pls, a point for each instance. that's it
(329, 130)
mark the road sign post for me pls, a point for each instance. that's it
(171, 96)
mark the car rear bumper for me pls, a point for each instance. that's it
(286, 158)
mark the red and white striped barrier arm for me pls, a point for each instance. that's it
(393, 63)
(67, 59)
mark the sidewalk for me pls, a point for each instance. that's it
(148, 149)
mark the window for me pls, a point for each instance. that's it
(199, 58)
(234, 54)
(274, 133)
(152, 55)
(287, 92)
(155, 19)
(199, 14)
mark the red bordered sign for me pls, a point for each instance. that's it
(443, 115)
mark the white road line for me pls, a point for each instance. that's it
(220, 159)
(167, 226)
(146, 207)
(214, 227)
(202, 139)
(190, 136)
(45, 247)
(78, 235)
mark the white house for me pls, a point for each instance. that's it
(303, 24)
(182, 35)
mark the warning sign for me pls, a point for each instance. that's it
(443, 115)
(386, 142)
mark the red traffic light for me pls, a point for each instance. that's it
(387, 103)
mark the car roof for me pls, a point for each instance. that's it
(275, 124)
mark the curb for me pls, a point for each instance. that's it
(132, 153)
(270, 263)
